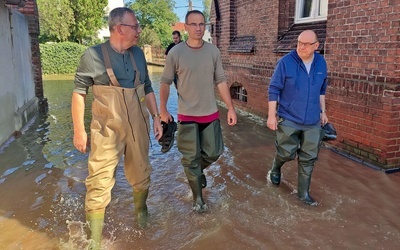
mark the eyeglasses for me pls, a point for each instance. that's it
(194, 25)
(134, 27)
(305, 44)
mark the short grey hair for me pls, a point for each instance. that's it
(116, 16)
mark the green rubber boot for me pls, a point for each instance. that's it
(96, 222)
(196, 183)
(303, 192)
(303, 183)
(141, 213)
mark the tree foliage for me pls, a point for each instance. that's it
(89, 18)
(207, 9)
(156, 15)
(55, 19)
(149, 36)
(70, 20)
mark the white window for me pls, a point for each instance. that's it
(311, 10)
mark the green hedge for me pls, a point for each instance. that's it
(60, 58)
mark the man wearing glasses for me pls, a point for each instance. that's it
(122, 96)
(296, 111)
(199, 69)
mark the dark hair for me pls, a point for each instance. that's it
(193, 12)
(116, 16)
(175, 32)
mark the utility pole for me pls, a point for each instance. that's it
(190, 6)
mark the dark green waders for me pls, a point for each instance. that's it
(305, 144)
(200, 147)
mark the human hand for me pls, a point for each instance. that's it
(272, 122)
(324, 119)
(231, 117)
(81, 142)
(165, 116)
(157, 128)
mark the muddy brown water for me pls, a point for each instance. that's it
(42, 194)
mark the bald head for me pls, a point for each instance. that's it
(308, 34)
(307, 43)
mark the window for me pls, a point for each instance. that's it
(311, 10)
(239, 93)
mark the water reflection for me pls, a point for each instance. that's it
(42, 194)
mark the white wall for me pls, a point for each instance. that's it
(18, 103)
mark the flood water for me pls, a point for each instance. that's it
(42, 194)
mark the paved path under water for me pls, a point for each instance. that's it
(42, 194)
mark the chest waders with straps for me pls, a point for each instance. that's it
(119, 126)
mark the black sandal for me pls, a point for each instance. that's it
(167, 139)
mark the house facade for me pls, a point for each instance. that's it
(22, 96)
(360, 41)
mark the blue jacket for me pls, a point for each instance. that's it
(296, 91)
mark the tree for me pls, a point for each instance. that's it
(149, 36)
(207, 9)
(55, 19)
(156, 15)
(89, 18)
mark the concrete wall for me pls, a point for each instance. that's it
(17, 94)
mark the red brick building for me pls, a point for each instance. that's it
(361, 43)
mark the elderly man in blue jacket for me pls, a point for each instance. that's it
(296, 111)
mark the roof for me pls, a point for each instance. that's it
(179, 26)
(288, 40)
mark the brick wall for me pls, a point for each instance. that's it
(31, 12)
(251, 70)
(362, 51)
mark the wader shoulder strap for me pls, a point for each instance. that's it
(107, 63)
(137, 72)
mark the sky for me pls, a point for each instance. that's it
(181, 7)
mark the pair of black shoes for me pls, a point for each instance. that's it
(167, 139)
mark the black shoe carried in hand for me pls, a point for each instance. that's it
(330, 132)
(167, 139)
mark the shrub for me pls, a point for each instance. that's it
(60, 58)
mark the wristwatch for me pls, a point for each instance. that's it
(156, 115)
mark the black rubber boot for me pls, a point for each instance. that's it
(195, 183)
(304, 181)
(275, 174)
(141, 213)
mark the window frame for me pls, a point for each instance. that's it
(239, 93)
(315, 5)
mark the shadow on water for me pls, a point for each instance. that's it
(42, 194)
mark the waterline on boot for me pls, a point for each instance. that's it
(309, 201)
(142, 219)
(200, 208)
(275, 180)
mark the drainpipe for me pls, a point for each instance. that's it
(20, 3)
